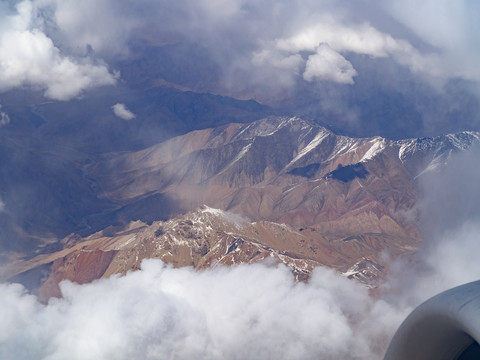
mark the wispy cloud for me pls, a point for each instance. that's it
(449, 27)
(4, 118)
(450, 218)
(327, 64)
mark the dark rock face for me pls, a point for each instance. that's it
(348, 173)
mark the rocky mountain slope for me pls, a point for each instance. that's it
(46, 145)
(278, 188)
(284, 170)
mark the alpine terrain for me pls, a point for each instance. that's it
(278, 189)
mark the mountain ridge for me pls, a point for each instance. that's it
(341, 202)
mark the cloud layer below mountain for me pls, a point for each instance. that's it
(242, 312)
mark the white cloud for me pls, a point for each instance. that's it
(269, 41)
(241, 312)
(28, 57)
(121, 111)
(361, 39)
(327, 64)
(255, 44)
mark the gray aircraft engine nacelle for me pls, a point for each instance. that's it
(445, 327)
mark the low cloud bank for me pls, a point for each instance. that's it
(241, 312)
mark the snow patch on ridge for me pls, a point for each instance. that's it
(461, 141)
(281, 125)
(240, 155)
(317, 140)
(343, 145)
(434, 164)
(441, 144)
(378, 146)
(410, 147)
(265, 127)
(401, 152)
(243, 130)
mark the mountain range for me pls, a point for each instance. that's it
(279, 189)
